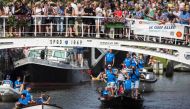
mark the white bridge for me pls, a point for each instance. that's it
(182, 54)
(140, 36)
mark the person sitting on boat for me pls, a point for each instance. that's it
(127, 61)
(109, 58)
(127, 86)
(18, 84)
(111, 79)
(134, 60)
(101, 76)
(135, 79)
(28, 94)
(43, 99)
(22, 101)
(7, 82)
(141, 63)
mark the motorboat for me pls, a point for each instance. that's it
(52, 66)
(8, 93)
(147, 82)
(42, 106)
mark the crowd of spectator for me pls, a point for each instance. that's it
(173, 11)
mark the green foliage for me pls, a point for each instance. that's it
(5, 2)
(12, 21)
(18, 21)
(115, 25)
(162, 60)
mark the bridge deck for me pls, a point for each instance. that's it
(125, 38)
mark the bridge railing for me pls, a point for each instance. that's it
(94, 27)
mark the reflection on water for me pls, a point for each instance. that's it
(170, 93)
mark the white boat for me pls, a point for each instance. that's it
(148, 82)
(43, 106)
(8, 94)
(51, 66)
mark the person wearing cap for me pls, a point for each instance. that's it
(135, 79)
(111, 79)
(109, 58)
(22, 101)
(28, 94)
(18, 84)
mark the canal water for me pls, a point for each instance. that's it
(169, 93)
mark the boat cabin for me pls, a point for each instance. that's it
(55, 54)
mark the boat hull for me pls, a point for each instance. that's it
(146, 86)
(39, 75)
(122, 101)
(44, 106)
(8, 94)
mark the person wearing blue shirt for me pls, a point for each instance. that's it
(134, 60)
(22, 101)
(109, 58)
(135, 79)
(111, 79)
(27, 92)
(127, 61)
(184, 17)
(18, 84)
(141, 62)
(43, 99)
(127, 86)
(60, 20)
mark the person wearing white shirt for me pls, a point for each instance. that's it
(99, 13)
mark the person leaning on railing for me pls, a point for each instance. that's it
(23, 16)
(184, 19)
(88, 11)
(78, 20)
(38, 10)
(69, 11)
(59, 21)
(48, 11)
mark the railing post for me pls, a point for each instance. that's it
(82, 29)
(98, 34)
(51, 28)
(175, 41)
(129, 34)
(4, 27)
(160, 39)
(35, 27)
(66, 27)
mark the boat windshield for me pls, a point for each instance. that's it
(59, 54)
(34, 53)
